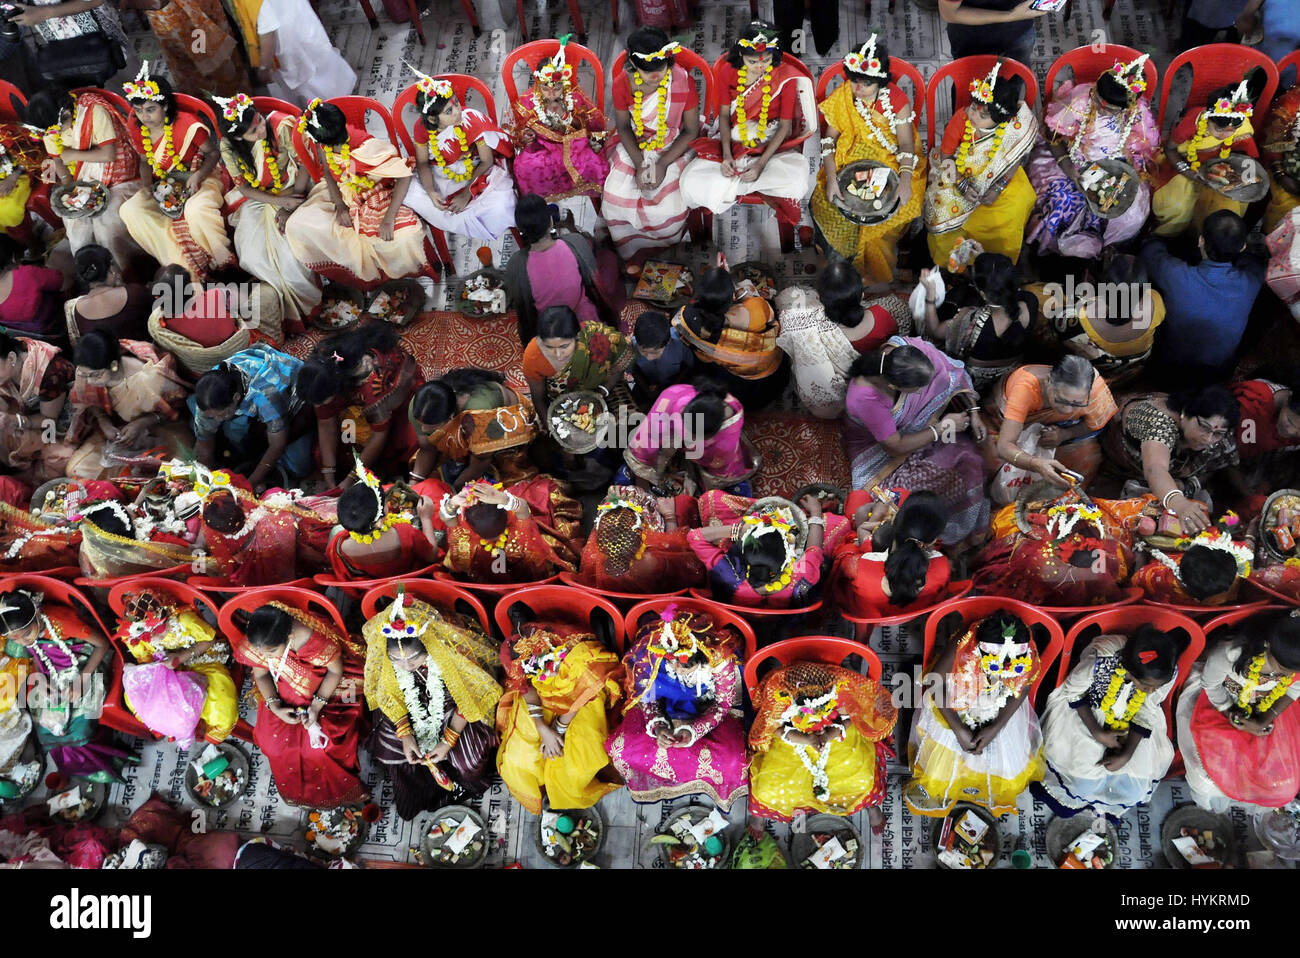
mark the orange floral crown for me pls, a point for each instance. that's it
(142, 87)
(982, 89)
(864, 60)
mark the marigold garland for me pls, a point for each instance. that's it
(661, 133)
(435, 151)
(277, 184)
(741, 118)
(1135, 700)
(1253, 674)
(1193, 148)
(169, 152)
(340, 166)
(968, 139)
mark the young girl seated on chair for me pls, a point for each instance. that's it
(763, 111)
(460, 157)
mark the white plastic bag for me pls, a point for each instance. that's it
(1009, 480)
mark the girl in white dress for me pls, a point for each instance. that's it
(1106, 740)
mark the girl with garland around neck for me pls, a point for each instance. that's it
(868, 118)
(430, 680)
(180, 687)
(977, 188)
(1205, 569)
(975, 738)
(356, 226)
(66, 664)
(494, 537)
(1186, 191)
(1239, 735)
(460, 157)
(819, 743)
(559, 136)
(309, 707)
(85, 138)
(1105, 738)
(254, 542)
(638, 544)
(657, 117)
(269, 184)
(386, 531)
(768, 103)
(1086, 122)
(682, 731)
(169, 139)
(764, 552)
(563, 690)
(1281, 154)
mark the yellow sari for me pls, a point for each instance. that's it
(588, 678)
(874, 249)
(1181, 203)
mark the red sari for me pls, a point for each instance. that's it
(528, 555)
(315, 778)
(857, 577)
(416, 549)
(385, 391)
(1159, 583)
(558, 516)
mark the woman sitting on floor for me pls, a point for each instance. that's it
(429, 678)
(387, 532)
(638, 544)
(567, 355)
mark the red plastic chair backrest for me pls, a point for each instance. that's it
(1289, 62)
(302, 599)
(1127, 620)
(119, 101)
(572, 579)
(810, 648)
(1087, 64)
(812, 123)
(180, 591)
(901, 69)
(493, 589)
(360, 586)
(1205, 612)
(1272, 594)
(271, 104)
(535, 51)
(54, 589)
(688, 60)
(202, 107)
(357, 108)
(549, 599)
(1215, 65)
(12, 102)
(979, 607)
(175, 572)
(755, 611)
(961, 72)
(690, 604)
(433, 591)
(461, 84)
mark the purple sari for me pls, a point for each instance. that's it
(713, 764)
(952, 470)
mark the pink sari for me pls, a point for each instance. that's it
(722, 455)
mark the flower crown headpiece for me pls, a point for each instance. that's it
(616, 502)
(111, 506)
(1222, 541)
(36, 599)
(1132, 75)
(982, 89)
(1236, 106)
(676, 638)
(371, 482)
(864, 60)
(39, 133)
(557, 69)
(436, 87)
(234, 107)
(1012, 657)
(308, 118)
(669, 49)
(764, 40)
(204, 481)
(403, 622)
(143, 88)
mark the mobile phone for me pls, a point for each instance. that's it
(1051, 6)
(1076, 477)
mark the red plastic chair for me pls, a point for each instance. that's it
(1065, 614)
(1086, 65)
(979, 607)
(547, 600)
(12, 102)
(461, 84)
(302, 599)
(901, 70)
(1273, 594)
(961, 72)
(1289, 62)
(688, 60)
(489, 592)
(358, 587)
(175, 572)
(535, 52)
(719, 612)
(1215, 65)
(433, 591)
(268, 104)
(575, 15)
(810, 648)
(357, 108)
(863, 627)
(119, 101)
(415, 17)
(769, 618)
(1128, 620)
(620, 599)
(186, 595)
(1206, 612)
(217, 587)
(202, 107)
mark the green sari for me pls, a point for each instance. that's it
(600, 351)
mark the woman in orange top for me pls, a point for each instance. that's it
(734, 331)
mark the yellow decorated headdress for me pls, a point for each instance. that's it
(557, 69)
(982, 89)
(204, 481)
(1236, 106)
(142, 87)
(1133, 75)
(765, 38)
(669, 49)
(865, 61)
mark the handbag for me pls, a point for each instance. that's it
(91, 56)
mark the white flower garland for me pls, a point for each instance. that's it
(821, 781)
(1076, 144)
(554, 120)
(426, 722)
(887, 110)
(62, 678)
(27, 537)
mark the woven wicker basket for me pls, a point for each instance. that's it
(197, 359)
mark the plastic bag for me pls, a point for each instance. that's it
(760, 853)
(1009, 480)
(168, 701)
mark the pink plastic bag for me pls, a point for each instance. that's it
(166, 700)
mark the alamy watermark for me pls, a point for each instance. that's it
(178, 294)
(1098, 301)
